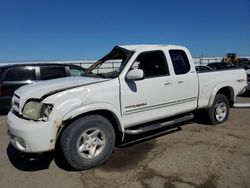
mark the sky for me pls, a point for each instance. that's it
(39, 30)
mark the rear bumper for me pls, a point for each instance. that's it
(30, 136)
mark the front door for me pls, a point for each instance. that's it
(152, 97)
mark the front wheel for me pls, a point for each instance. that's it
(219, 111)
(87, 142)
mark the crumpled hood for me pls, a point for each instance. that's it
(45, 88)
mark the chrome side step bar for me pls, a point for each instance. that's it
(241, 105)
(155, 126)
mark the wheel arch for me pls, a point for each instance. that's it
(112, 117)
(227, 91)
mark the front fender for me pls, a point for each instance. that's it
(93, 107)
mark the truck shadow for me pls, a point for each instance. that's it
(200, 117)
(127, 150)
(37, 162)
(29, 162)
(3, 112)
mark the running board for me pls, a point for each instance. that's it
(241, 105)
(159, 125)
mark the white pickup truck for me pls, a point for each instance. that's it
(86, 116)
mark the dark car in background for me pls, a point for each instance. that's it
(221, 66)
(14, 76)
(202, 68)
(243, 63)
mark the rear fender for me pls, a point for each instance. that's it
(219, 88)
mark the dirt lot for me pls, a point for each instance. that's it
(191, 155)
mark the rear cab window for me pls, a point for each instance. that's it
(180, 61)
(50, 72)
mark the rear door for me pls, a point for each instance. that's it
(185, 81)
(14, 78)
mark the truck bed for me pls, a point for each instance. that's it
(211, 82)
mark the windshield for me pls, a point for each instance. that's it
(111, 65)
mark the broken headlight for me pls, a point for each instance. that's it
(36, 110)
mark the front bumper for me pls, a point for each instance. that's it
(30, 136)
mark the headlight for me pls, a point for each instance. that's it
(36, 110)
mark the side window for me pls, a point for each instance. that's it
(153, 63)
(75, 71)
(180, 61)
(21, 74)
(50, 72)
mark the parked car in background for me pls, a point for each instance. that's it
(248, 79)
(203, 68)
(243, 63)
(14, 76)
(221, 66)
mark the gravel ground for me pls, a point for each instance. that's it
(191, 155)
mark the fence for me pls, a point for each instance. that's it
(197, 60)
(206, 60)
(113, 65)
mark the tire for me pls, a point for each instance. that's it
(219, 111)
(87, 142)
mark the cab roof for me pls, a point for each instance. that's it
(148, 46)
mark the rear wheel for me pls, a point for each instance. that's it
(219, 111)
(87, 142)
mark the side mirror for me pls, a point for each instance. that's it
(135, 74)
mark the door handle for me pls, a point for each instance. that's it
(241, 80)
(167, 83)
(180, 82)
